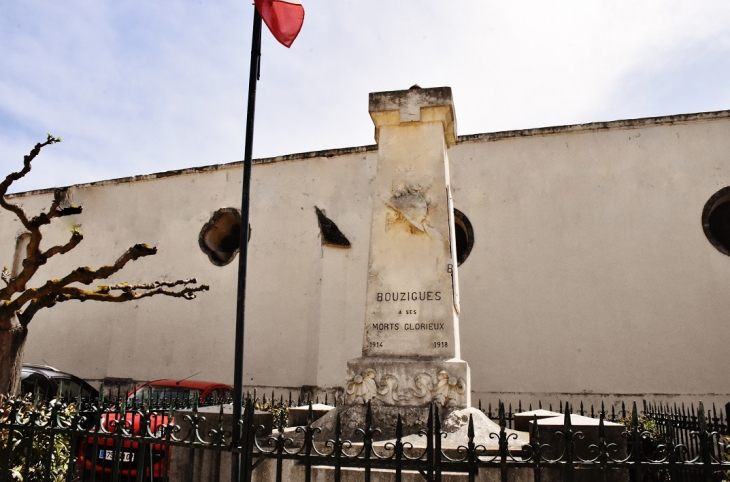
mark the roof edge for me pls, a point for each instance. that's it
(598, 126)
(213, 167)
(489, 137)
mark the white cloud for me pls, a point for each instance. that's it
(137, 87)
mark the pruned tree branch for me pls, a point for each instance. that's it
(76, 238)
(85, 275)
(19, 304)
(127, 292)
(34, 258)
(14, 176)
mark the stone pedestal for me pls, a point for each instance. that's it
(408, 382)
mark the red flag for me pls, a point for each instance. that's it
(283, 17)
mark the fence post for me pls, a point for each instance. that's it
(603, 448)
(398, 448)
(536, 449)
(569, 445)
(336, 449)
(705, 449)
(471, 451)
(309, 443)
(503, 443)
(248, 439)
(429, 444)
(437, 444)
(636, 450)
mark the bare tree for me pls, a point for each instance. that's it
(20, 303)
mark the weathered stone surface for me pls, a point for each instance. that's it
(385, 417)
(486, 432)
(298, 415)
(408, 381)
(454, 423)
(414, 105)
(412, 290)
(522, 420)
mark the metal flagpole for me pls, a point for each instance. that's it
(243, 246)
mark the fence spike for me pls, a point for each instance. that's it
(567, 422)
(502, 419)
(369, 417)
(701, 419)
(634, 418)
(601, 428)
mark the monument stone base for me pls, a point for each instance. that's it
(454, 423)
(408, 382)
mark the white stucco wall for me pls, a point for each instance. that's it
(590, 270)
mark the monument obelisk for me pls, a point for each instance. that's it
(410, 354)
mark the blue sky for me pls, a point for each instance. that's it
(136, 87)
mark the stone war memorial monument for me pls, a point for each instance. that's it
(410, 354)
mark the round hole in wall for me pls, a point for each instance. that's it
(219, 237)
(464, 236)
(716, 220)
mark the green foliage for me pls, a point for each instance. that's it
(726, 455)
(28, 414)
(280, 412)
(651, 438)
(648, 430)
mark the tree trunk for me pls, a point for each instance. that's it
(12, 346)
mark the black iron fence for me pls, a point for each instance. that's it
(109, 441)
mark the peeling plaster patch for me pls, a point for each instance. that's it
(410, 204)
(410, 208)
(220, 236)
(331, 234)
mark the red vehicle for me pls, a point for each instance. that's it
(98, 453)
(181, 390)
